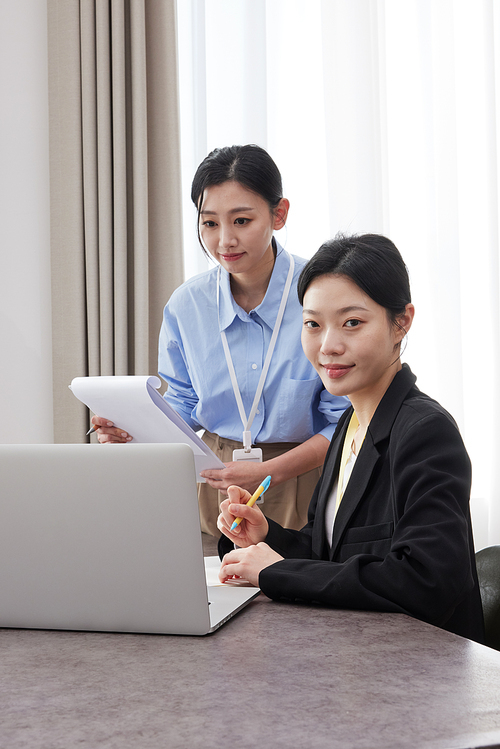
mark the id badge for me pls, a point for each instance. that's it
(254, 456)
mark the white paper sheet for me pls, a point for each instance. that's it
(134, 404)
(212, 567)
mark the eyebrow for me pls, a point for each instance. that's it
(343, 311)
(240, 209)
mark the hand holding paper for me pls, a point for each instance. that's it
(134, 403)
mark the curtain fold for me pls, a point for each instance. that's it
(115, 190)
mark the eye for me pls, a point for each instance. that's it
(310, 324)
(242, 221)
(352, 323)
(209, 223)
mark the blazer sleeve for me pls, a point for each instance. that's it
(427, 569)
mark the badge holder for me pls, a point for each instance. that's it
(252, 454)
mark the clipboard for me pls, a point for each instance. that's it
(133, 403)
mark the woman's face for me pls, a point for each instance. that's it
(348, 337)
(236, 227)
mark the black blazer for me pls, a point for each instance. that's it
(402, 538)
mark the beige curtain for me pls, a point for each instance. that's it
(115, 190)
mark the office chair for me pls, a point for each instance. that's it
(488, 572)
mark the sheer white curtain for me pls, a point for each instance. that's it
(383, 116)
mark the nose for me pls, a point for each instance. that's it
(227, 237)
(332, 343)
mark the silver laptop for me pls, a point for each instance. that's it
(106, 538)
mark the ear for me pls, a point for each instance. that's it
(405, 321)
(281, 213)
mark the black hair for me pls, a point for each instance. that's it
(250, 166)
(371, 261)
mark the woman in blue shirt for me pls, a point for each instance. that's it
(230, 344)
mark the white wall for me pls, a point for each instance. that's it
(25, 309)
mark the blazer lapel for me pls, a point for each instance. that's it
(378, 430)
(355, 489)
(330, 472)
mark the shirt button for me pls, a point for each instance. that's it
(254, 366)
(257, 411)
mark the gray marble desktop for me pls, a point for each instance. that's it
(277, 675)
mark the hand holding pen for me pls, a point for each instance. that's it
(108, 433)
(238, 507)
(253, 499)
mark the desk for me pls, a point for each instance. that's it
(277, 675)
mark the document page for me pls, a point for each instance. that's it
(134, 404)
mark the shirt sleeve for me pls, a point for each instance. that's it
(331, 407)
(172, 367)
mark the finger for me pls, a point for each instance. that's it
(224, 507)
(98, 421)
(215, 483)
(229, 562)
(213, 475)
(234, 534)
(216, 475)
(250, 514)
(225, 524)
(224, 514)
(107, 439)
(238, 535)
(237, 495)
(226, 520)
(117, 436)
(229, 513)
(230, 571)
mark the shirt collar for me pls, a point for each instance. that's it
(268, 308)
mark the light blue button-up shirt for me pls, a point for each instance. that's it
(294, 405)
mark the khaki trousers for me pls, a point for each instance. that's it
(286, 503)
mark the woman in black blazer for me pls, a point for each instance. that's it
(397, 536)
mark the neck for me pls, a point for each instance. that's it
(365, 402)
(249, 288)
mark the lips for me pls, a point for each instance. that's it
(335, 371)
(231, 258)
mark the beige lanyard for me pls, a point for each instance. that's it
(346, 451)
